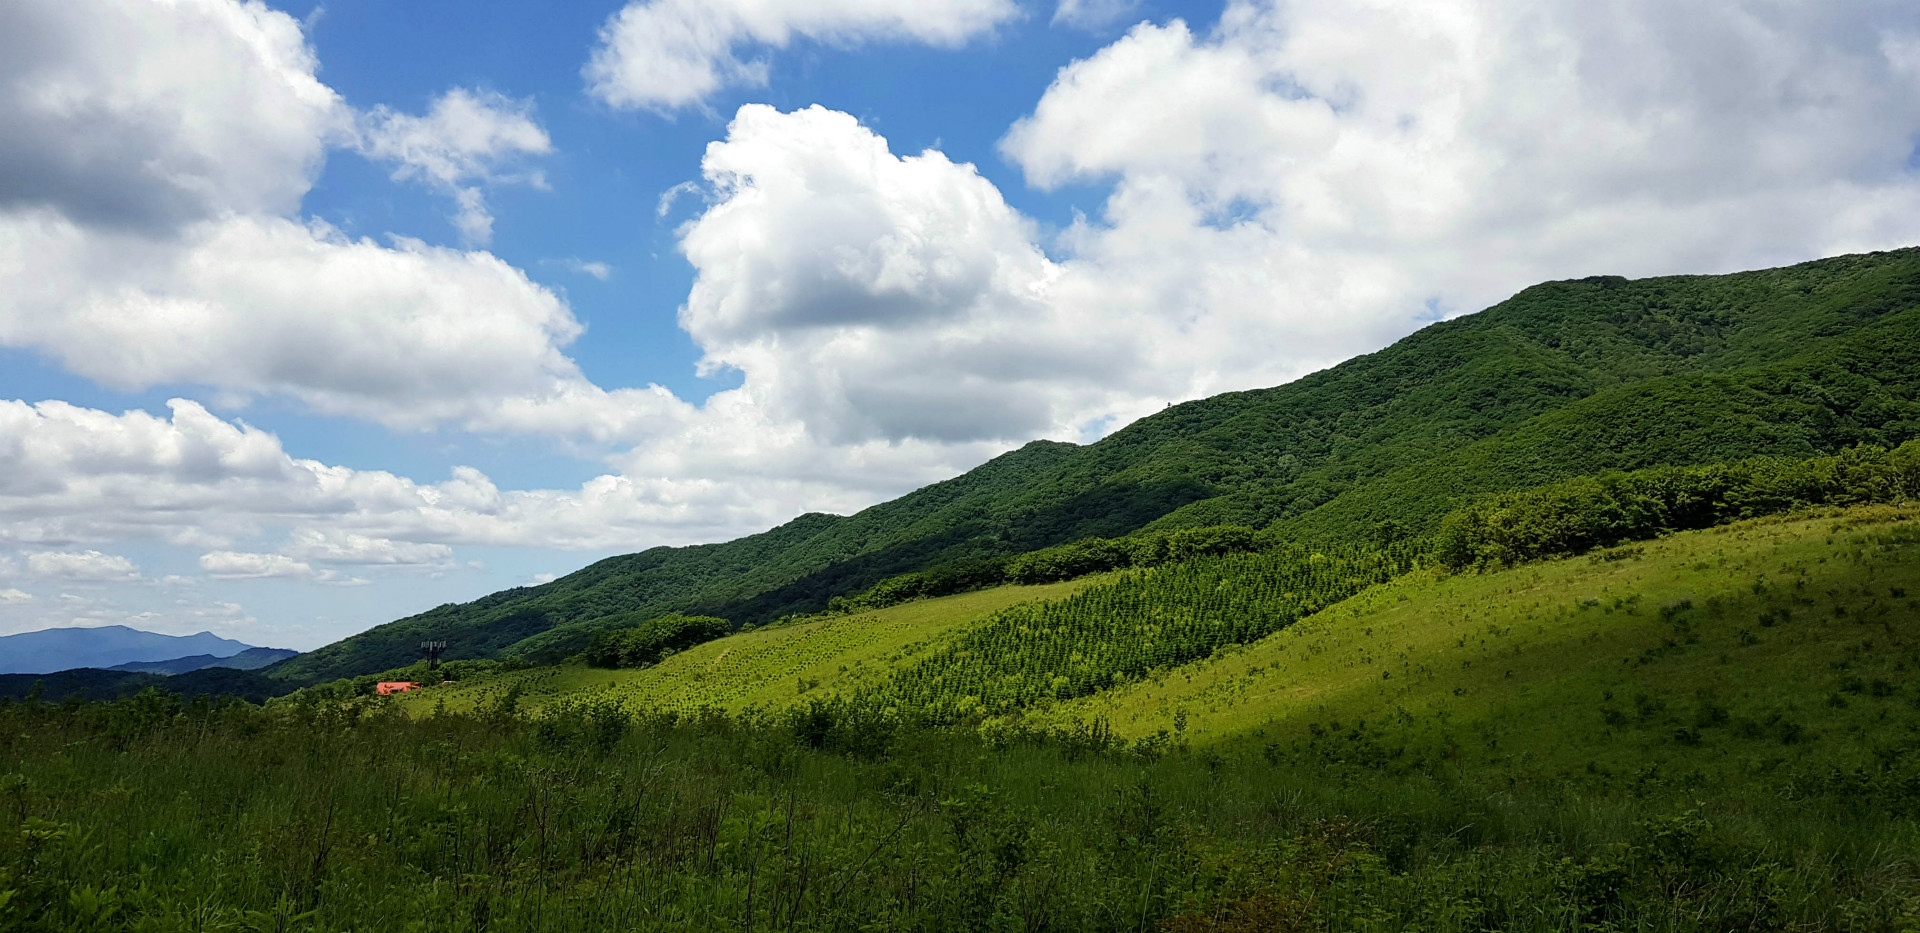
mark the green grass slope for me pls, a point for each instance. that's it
(1734, 650)
(1671, 370)
(672, 579)
(1726, 654)
(765, 669)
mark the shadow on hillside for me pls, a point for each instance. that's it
(90, 683)
(1106, 511)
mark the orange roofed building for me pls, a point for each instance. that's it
(386, 687)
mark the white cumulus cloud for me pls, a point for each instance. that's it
(152, 161)
(148, 116)
(241, 565)
(870, 296)
(88, 566)
(666, 54)
(466, 139)
(1309, 180)
(76, 476)
(407, 335)
(334, 546)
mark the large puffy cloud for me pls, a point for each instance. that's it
(1313, 178)
(152, 115)
(873, 297)
(673, 53)
(152, 161)
(407, 334)
(72, 477)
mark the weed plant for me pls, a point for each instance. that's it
(153, 815)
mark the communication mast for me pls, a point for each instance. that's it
(432, 650)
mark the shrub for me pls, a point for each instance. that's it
(650, 641)
(1591, 512)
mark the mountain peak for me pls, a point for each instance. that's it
(59, 649)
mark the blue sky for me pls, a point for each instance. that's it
(317, 315)
(610, 167)
(609, 170)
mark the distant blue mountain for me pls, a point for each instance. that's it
(192, 662)
(60, 649)
(251, 659)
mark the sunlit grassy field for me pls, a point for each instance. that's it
(768, 669)
(1713, 731)
(1737, 648)
(1728, 651)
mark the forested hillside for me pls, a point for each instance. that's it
(1563, 379)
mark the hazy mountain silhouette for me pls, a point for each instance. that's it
(59, 649)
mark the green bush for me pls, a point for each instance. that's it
(1600, 511)
(654, 639)
(946, 579)
(1053, 564)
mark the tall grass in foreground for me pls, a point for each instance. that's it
(149, 815)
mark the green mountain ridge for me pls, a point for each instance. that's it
(1563, 379)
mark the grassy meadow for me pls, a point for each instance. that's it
(1744, 646)
(1715, 730)
(764, 669)
(137, 816)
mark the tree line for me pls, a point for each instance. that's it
(1590, 512)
